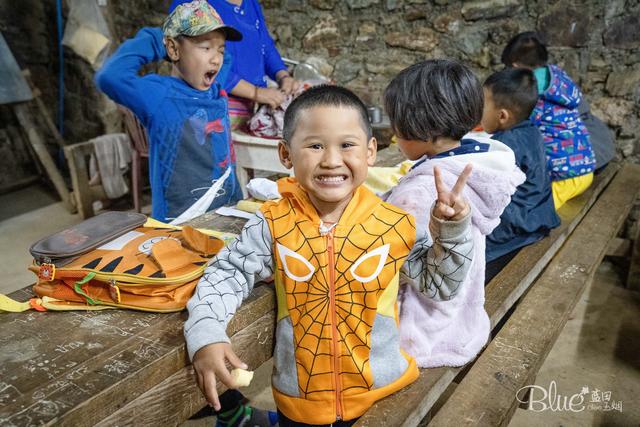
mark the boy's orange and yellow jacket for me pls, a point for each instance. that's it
(337, 344)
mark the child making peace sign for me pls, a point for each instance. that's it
(432, 105)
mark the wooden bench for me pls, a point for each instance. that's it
(128, 368)
(487, 393)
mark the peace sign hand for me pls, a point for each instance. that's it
(451, 205)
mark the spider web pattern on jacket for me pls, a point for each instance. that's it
(232, 274)
(356, 303)
(433, 269)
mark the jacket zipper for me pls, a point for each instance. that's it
(334, 325)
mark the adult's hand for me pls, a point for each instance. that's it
(289, 85)
(270, 96)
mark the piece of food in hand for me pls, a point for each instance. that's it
(242, 377)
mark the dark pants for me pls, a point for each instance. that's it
(283, 421)
(494, 267)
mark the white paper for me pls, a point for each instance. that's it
(118, 244)
(227, 211)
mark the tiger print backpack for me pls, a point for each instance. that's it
(130, 263)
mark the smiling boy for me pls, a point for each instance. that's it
(336, 252)
(185, 114)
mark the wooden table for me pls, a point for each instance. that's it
(255, 153)
(382, 131)
(118, 367)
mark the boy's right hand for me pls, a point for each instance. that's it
(270, 96)
(209, 363)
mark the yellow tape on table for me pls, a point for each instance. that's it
(7, 304)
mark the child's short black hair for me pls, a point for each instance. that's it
(434, 98)
(514, 89)
(324, 95)
(526, 49)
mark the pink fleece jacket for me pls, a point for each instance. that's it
(451, 333)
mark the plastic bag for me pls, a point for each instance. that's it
(86, 32)
(202, 204)
(263, 189)
(268, 122)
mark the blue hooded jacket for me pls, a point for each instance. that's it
(568, 149)
(188, 129)
(531, 214)
(255, 57)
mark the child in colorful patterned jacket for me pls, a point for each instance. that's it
(336, 252)
(570, 156)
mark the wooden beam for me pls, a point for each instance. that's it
(43, 110)
(512, 282)
(139, 351)
(633, 277)
(76, 155)
(487, 395)
(23, 115)
(618, 248)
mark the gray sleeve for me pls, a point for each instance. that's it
(438, 267)
(226, 282)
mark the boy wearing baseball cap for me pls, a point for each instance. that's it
(185, 114)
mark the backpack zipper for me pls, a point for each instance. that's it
(131, 279)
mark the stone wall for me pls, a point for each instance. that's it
(29, 27)
(363, 43)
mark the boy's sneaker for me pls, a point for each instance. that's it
(247, 416)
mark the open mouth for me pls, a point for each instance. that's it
(331, 179)
(209, 76)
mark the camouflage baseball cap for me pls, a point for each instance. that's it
(195, 18)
